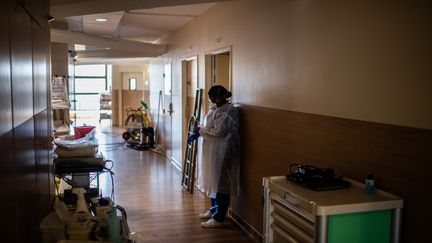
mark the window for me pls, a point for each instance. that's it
(89, 85)
(90, 81)
(132, 84)
(95, 70)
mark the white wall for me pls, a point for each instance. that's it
(59, 59)
(364, 59)
(117, 71)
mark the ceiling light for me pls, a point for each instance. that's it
(78, 47)
(101, 20)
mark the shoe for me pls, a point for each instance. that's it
(212, 223)
(205, 215)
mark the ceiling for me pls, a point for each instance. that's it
(131, 29)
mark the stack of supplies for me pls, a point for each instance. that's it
(78, 155)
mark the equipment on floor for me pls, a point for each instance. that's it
(139, 129)
(189, 163)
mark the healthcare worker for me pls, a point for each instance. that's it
(219, 163)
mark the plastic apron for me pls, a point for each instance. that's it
(218, 165)
(202, 178)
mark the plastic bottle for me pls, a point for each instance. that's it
(369, 184)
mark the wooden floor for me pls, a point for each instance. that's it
(148, 186)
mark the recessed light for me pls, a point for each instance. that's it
(101, 20)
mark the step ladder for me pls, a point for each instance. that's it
(189, 162)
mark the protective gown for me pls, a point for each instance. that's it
(218, 159)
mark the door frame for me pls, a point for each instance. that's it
(167, 110)
(208, 71)
(185, 94)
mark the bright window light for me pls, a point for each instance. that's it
(132, 84)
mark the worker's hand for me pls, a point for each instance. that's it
(194, 136)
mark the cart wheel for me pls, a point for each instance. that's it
(126, 136)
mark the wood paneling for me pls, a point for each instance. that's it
(40, 63)
(115, 107)
(133, 99)
(8, 199)
(21, 60)
(25, 180)
(37, 9)
(5, 81)
(398, 156)
(24, 164)
(42, 145)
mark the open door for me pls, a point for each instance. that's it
(190, 81)
(218, 66)
(190, 85)
(220, 69)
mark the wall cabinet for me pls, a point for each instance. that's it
(293, 213)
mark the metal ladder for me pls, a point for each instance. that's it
(189, 162)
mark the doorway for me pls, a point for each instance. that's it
(134, 89)
(218, 69)
(190, 85)
(190, 82)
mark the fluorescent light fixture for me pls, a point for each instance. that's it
(79, 47)
(101, 20)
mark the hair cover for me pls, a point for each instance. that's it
(219, 91)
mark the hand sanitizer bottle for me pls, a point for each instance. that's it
(369, 184)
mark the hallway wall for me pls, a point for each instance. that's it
(332, 58)
(25, 119)
(361, 67)
(59, 59)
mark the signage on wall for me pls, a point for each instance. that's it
(59, 89)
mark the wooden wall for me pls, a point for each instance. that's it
(399, 157)
(133, 99)
(115, 103)
(25, 120)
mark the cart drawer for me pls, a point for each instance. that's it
(281, 236)
(302, 223)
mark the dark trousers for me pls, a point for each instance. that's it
(219, 206)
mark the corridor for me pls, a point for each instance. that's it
(148, 186)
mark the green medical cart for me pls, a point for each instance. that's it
(293, 213)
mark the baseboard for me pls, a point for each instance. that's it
(176, 164)
(253, 233)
